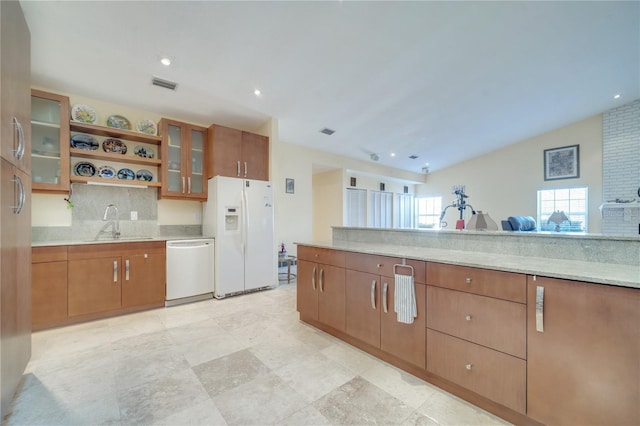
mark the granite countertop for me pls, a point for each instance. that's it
(121, 240)
(600, 273)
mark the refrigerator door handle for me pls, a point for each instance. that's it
(245, 222)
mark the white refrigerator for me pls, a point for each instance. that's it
(239, 215)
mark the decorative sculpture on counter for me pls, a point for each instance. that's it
(460, 204)
(557, 217)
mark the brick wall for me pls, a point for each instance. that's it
(621, 167)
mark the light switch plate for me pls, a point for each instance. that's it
(134, 215)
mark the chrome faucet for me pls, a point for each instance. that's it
(115, 224)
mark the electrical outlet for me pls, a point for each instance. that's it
(134, 215)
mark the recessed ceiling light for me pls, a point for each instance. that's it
(165, 61)
(393, 154)
(257, 92)
(617, 96)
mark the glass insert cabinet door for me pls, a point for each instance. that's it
(196, 181)
(49, 142)
(174, 159)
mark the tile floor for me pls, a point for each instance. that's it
(246, 360)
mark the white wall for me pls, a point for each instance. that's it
(505, 182)
(328, 202)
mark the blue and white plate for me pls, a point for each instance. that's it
(144, 175)
(126, 174)
(82, 141)
(84, 168)
(106, 172)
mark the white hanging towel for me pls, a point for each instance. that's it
(405, 299)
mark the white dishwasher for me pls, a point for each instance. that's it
(189, 270)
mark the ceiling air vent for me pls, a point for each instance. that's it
(164, 83)
(327, 131)
(413, 156)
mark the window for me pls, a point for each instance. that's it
(402, 210)
(571, 201)
(428, 211)
(356, 207)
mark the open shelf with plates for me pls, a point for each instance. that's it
(140, 149)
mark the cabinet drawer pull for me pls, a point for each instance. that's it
(19, 194)
(468, 366)
(373, 294)
(468, 317)
(540, 309)
(467, 280)
(126, 270)
(384, 298)
(322, 280)
(115, 271)
(313, 278)
(379, 265)
(20, 145)
(146, 256)
(238, 168)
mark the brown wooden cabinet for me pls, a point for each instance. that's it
(235, 153)
(106, 278)
(583, 363)
(370, 306)
(49, 142)
(184, 150)
(321, 286)
(476, 331)
(49, 286)
(15, 200)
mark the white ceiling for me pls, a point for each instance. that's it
(446, 81)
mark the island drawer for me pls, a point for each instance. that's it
(490, 322)
(502, 285)
(384, 265)
(497, 376)
(48, 254)
(322, 255)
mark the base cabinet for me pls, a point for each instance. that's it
(49, 286)
(81, 282)
(583, 353)
(321, 287)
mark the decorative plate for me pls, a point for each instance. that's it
(126, 174)
(84, 168)
(118, 122)
(114, 145)
(147, 126)
(143, 151)
(106, 172)
(82, 141)
(144, 175)
(83, 114)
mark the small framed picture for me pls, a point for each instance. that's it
(353, 181)
(562, 163)
(382, 186)
(289, 186)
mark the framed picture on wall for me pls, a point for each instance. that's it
(562, 163)
(289, 186)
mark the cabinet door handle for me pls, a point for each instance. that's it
(126, 269)
(384, 298)
(183, 184)
(115, 271)
(20, 195)
(540, 309)
(313, 278)
(189, 185)
(373, 294)
(245, 169)
(468, 317)
(322, 280)
(238, 168)
(20, 145)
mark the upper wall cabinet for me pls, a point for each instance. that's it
(235, 153)
(49, 142)
(184, 151)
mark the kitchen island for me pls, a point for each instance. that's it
(534, 328)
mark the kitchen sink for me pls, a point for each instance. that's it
(111, 240)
